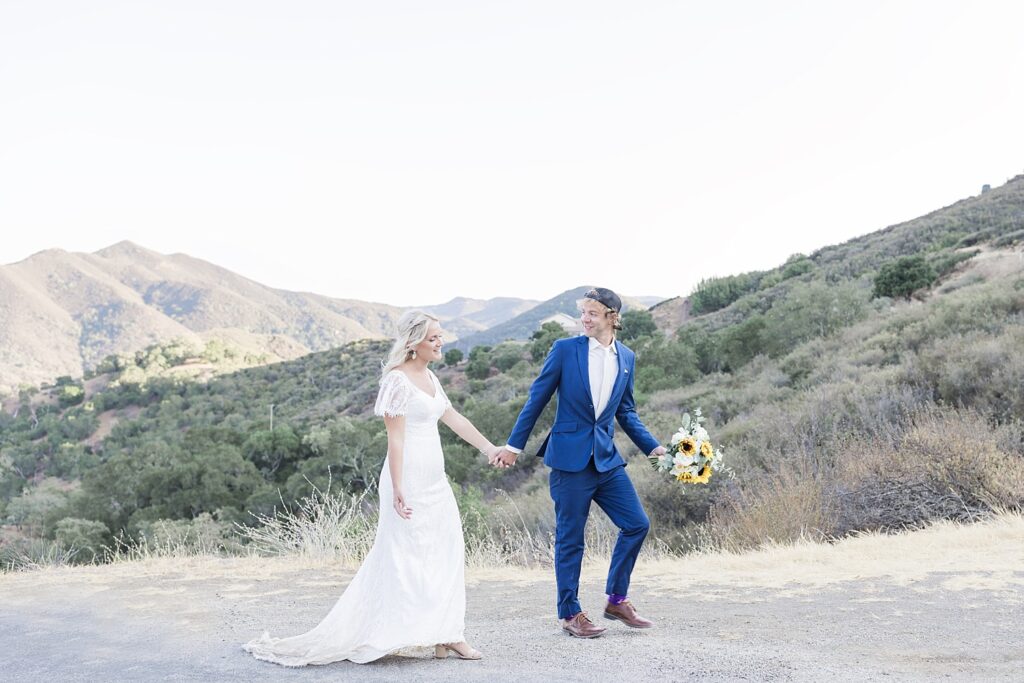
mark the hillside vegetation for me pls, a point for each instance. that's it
(841, 408)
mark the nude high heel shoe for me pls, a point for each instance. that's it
(461, 650)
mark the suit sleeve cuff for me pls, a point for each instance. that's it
(513, 449)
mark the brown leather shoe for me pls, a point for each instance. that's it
(582, 627)
(626, 613)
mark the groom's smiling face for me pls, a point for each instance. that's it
(594, 319)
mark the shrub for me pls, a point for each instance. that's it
(716, 293)
(543, 338)
(903, 277)
(505, 356)
(944, 264)
(797, 265)
(86, 538)
(946, 465)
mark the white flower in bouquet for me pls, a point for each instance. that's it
(690, 457)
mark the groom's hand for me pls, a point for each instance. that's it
(506, 458)
(660, 450)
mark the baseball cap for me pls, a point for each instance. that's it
(606, 297)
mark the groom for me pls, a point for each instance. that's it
(593, 375)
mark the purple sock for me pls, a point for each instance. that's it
(615, 599)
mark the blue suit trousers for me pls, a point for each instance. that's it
(572, 493)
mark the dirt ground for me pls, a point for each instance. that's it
(942, 604)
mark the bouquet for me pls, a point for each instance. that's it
(691, 458)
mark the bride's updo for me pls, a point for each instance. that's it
(412, 329)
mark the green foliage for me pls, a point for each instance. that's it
(664, 364)
(505, 356)
(543, 338)
(715, 293)
(38, 507)
(346, 454)
(271, 451)
(452, 357)
(636, 324)
(945, 263)
(70, 394)
(741, 343)
(903, 277)
(810, 311)
(479, 367)
(86, 538)
(480, 351)
(161, 480)
(705, 345)
(1009, 239)
(797, 265)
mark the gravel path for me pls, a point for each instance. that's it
(184, 621)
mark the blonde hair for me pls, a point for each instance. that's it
(615, 316)
(412, 329)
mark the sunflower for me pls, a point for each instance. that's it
(684, 475)
(687, 445)
(706, 450)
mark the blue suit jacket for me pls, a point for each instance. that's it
(577, 434)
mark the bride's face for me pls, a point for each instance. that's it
(430, 348)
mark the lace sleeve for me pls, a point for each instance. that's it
(393, 395)
(447, 403)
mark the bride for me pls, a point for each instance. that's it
(410, 590)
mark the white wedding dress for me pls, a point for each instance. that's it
(410, 590)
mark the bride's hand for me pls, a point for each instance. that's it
(492, 454)
(403, 510)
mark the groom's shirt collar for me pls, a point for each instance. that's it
(594, 345)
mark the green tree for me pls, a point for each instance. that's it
(479, 365)
(715, 293)
(543, 338)
(706, 346)
(664, 364)
(506, 355)
(452, 357)
(797, 265)
(161, 480)
(740, 343)
(272, 450)
(903, 277)
(636, 324)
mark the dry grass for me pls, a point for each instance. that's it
(987, 554)
(942, 464)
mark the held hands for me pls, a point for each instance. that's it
(492, 453)
(403, 510)
(504, 458)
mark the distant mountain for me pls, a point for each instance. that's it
(525, 324)
(464, 316)
(63, 312)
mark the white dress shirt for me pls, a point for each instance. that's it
(603, 367)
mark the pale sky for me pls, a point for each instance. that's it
(409, 152)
